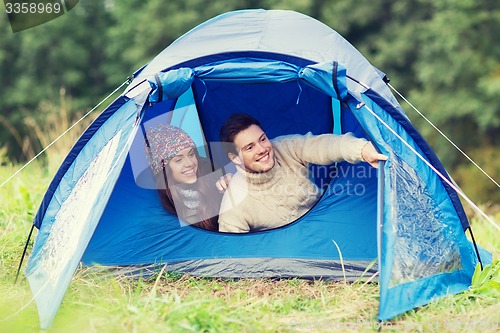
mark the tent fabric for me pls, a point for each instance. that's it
(312, 269)
(424, 247)
(401, 216)
(174, 83)
(268, 31)
(75, 208)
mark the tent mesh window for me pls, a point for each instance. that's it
(424, 243)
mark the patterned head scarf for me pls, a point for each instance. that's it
(165, 141)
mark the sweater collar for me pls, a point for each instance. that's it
(266, 179)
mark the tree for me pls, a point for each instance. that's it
(62, 57)
(442, 55)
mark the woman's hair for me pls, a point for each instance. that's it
(169, 198)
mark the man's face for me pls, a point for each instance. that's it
(255, 151)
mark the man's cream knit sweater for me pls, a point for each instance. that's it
(260, 201)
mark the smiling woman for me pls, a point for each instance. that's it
(182, 176)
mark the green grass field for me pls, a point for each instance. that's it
(95, 302)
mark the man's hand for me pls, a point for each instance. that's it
(223, 182)
(371, 155)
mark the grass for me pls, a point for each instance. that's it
(178, 303)
(172, 303)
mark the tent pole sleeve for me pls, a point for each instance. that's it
(380, 210)
(160, 88)
(24, 252)
(138, 84)
(334, 79)
(475, 247)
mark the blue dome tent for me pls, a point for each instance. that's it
(295, 75)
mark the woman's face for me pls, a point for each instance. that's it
(184, 166)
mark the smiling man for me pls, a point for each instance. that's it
(272, 187)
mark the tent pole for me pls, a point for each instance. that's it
(24, 252)
(475, 247)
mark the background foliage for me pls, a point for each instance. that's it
(442, 55)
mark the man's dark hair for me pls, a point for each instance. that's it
(232, 126)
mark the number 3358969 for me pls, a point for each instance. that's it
(32, 8)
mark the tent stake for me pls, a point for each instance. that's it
(24, 252)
